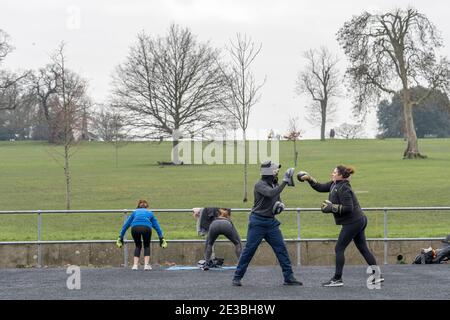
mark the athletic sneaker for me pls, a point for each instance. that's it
(135, 267)
(333, 283)
(205, 267)
(147, 267)
(292, 282)
(237, 282)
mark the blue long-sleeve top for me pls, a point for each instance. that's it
(142, 217)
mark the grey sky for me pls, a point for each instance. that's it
(106, 28)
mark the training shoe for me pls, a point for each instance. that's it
(237, 282)
(333, 283)
(147, 267)
(292, 282)
(205, 267)
(135, 267)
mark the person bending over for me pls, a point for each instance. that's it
(141, 222)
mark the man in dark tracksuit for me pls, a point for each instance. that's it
(263, 225)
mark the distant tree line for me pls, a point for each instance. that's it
(431, 117)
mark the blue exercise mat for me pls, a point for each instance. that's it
(175, 268)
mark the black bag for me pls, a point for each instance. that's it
(214, 263)
(430, 255)
(425, 257)
(443, 254)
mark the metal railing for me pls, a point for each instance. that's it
(125, 212)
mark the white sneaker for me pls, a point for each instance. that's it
(135, 267)
(147, 267)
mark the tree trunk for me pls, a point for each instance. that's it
(175, 158)
(412, 148)
(245, 167)
(295, 153)
(323, 108)
(175, 142)
(116, 146)
(67, 175)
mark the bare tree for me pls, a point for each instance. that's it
(242, 90)
(110, 126)
(293, 134)
(392, 52)
(68, 104)
(319, 79)
(349, 130)
(5, 45)
(45, 83)
(10, 83)
(18, 123)
(170, 86)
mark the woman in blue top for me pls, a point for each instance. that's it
(142, 221)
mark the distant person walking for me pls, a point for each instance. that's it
(141, 222)
(332, 133)
(344, 206)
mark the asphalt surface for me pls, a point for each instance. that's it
(405, 282)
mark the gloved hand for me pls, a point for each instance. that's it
(328, 207)
(278, 207)
(162, 243)
(305, 176)
(289, 177)
(119, 242)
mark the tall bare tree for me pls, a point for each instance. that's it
(45, 83)
(170, 86)
(68, 104)
(319, 79)
(242, 90)
(10, 83)
(5, 45)
(392, 52)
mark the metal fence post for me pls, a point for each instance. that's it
(39, 249)
(298, 238)
(125, 246)
(385, 236)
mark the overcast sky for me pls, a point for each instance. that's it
(99, 33)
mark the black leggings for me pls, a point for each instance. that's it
(146, 233)
(353, 231)
(226, 228)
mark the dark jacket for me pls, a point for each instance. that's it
(266, 193)
(341, 193)
(207, 216)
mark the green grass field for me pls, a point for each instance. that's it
(31, 179)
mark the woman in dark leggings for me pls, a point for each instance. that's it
(142, 221)
(344, 206)
(221, 225)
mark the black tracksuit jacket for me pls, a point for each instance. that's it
(341, 193)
